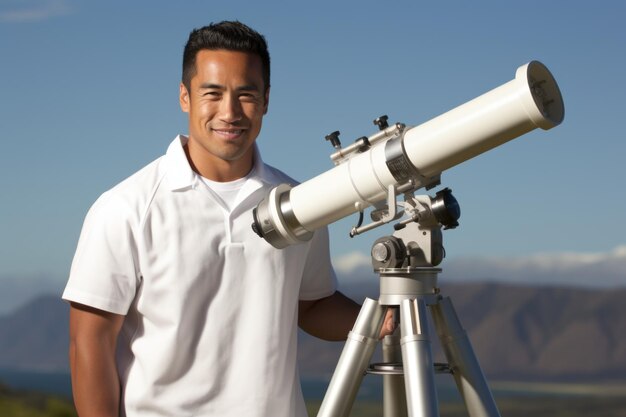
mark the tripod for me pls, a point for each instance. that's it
(408, 284)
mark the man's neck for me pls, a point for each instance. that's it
(219, 170)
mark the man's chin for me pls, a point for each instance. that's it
(234, 154)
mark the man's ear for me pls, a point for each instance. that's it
(267, 100)
(184, 98)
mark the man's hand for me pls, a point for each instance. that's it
(389, 324)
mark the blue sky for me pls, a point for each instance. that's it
(88, 95)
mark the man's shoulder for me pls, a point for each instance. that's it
(141, 182)
(132, 195)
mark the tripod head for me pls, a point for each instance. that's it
(417, 240)
(406, 260)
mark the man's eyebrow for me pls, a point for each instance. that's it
(249, 87)
(211, 86)
(207, 86)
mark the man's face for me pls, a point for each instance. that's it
(226, 104)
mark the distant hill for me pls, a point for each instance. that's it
(522, 332)
(518, 332)
(35, 336)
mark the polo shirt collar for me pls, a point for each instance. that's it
(180, 175)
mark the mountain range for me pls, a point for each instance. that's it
(591, 270)
(519, 332)
(522, 332)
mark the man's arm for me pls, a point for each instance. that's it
(332, 317)
(93, 339)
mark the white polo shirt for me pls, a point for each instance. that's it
(211, 308)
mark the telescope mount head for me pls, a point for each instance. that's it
(417, 240)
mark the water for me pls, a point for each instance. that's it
(370, 390)
(57, 383)
(314, 389)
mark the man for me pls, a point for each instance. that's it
(177, 307)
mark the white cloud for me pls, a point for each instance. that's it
(350, 262)
(33, 11)
(601, 269)
(566, 260)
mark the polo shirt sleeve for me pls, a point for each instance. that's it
(104, 272)
(319, 279)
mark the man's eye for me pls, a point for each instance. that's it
(212, 94)
(247, 97)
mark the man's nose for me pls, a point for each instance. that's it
(230, 109)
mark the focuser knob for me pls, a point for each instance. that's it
(334, 139)
(381, 122)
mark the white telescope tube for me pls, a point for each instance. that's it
(531, 100)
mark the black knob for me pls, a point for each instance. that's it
(381, 122)
(334, 139)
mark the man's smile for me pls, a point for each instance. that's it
(228, 133)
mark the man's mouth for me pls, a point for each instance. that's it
(229, 133)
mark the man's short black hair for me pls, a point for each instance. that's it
(229, 35)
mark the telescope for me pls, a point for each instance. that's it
(374, 171)
(398, 159)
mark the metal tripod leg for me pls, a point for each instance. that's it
(353, 361)
(469, 377)
(394, 393)
(419, 396)
(419, 374)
